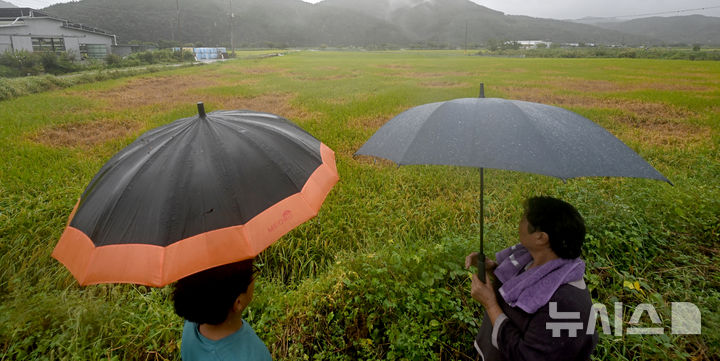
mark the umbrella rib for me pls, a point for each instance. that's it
(417, 131)
(288, 135)
(227, 187)
(557, 173)
(107, 215)
(311, 150)
(177, 202)
(260, 147)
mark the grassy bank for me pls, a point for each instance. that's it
(135, 64)
(377, 274)
(16, 87)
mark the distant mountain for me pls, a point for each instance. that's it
(334, 23)
(255, 22)
(4, 4)
(390, 9)
(691, 29)
(444, 21)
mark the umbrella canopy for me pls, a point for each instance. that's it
(194, 194)
(505, 134)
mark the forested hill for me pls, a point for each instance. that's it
(255, 22)
(330, 22)
(691, 29)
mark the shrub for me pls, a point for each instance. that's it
(7, 91)
(24, 62)
(113, 60)
(407, 301)
(58, 63)
(157, 57)
(147, 57)
(8, 72)
(185, 55)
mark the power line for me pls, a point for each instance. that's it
(663, 12)
(525, 12)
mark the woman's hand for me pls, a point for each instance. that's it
(484, 292)
(472, 258)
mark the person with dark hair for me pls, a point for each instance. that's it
(212, 303)
(538, 306)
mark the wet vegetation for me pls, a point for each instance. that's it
(23, 63)
(672, 53)
(378, 273)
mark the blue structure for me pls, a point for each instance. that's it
(205, 53)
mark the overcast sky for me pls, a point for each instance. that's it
(556, 9)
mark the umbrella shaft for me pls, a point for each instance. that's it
(481, 256)
(482, 213)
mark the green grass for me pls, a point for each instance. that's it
(377, 274)
(16, 87)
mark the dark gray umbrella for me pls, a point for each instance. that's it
(505, 134)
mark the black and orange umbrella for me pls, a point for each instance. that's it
(197, 193)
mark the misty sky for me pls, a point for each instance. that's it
(556, 9)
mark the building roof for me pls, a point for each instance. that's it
(21, 12)
(12, 14)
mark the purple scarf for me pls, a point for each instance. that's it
(532, 289)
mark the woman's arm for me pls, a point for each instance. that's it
(484, 293)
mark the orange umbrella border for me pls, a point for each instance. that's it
(158, 266)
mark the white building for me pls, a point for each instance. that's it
(33, 30)
(533, 44)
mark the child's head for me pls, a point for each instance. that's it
(560, 220)
(209, 296)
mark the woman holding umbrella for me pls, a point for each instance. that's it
(539, 307)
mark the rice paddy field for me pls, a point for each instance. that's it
(378, 274)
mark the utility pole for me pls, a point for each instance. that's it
(468, 12)
(232, 39)
(466, 31)
(177, 20)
